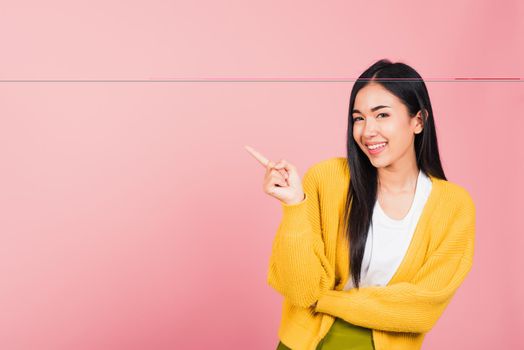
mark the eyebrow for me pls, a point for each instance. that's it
(372, 109)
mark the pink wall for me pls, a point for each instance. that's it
(133, 218)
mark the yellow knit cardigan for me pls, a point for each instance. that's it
(309, 265)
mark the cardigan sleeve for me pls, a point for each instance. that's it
(298, 267)
(413, 306)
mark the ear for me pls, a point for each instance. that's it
(419, 121)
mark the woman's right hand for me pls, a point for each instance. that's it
(281, 179)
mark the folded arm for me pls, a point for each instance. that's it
(413, 306)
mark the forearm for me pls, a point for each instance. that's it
(298, 268)
(401, 307)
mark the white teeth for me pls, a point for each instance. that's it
(377, 145)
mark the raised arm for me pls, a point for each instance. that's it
(298, 268)
(413, 306)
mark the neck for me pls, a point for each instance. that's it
(398, 179)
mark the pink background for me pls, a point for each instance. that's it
(133, 218)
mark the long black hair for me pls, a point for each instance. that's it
(406, 84)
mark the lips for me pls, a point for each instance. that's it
(375, 149)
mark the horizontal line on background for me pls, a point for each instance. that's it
(258, 80)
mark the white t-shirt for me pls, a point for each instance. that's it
(388, 239)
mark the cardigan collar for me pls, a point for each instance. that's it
(342, 258)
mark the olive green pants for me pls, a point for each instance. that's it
(343, 335)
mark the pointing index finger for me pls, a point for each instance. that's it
(261, 159)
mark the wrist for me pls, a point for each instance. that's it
(296, 201)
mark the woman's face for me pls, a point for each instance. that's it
(373, 124)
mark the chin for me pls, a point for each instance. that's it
(380, 163)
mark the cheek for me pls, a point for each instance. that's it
(390, 130)
(399, 136)
(394, 131)
(357, 132)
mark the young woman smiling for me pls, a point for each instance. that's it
(371, 247)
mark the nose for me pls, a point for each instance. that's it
(370, 128)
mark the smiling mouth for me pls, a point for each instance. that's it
(376, 146)
(376, 149)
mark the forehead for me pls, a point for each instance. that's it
(374, 95)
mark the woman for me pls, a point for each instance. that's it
(372, 247)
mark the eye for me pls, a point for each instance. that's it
(383, 114)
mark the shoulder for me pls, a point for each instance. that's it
(329, 167)
(328, 175)
(456, 196)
